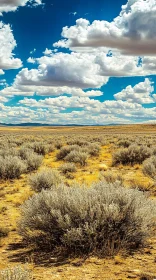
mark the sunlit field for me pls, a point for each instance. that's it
(78, 203)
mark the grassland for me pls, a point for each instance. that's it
(14, 192)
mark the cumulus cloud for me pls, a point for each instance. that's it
(63, 70)
(60, 73)
(84, 111)
(132, 32)
(95, 106)
(90, 111)
(7, 45)
(140, 93)
(12, 5)
(16, 90)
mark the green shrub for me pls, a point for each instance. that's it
(131, 155)
(45, 179)
(11, 167)
(16, 273)
(102, 219)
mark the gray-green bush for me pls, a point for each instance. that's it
(77, 157)
(102, 219)
(32, 159)
(45, 179)
(149, 167)
(11, 167)
(68, 168)
(131, 155)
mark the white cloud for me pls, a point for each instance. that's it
(16, 90)
(7, 45)
(91, 105)
(132, 32)
(31, 60)
(60, 73)
(52, 110)
(12, 5)
(3, 99)
(62, 69)
(140, 93)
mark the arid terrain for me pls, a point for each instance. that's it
(101, 161)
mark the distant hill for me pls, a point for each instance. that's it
(41, 124)
(35, 124)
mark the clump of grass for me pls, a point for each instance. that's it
(11, 167)
(131, 155)
(102, 219)
(16, 273)
(45, 179)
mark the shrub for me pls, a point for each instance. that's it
(23, 152)
(154, 151)
(45, 179)
(8, 152)
(11, 167)
(133, 154)
(124, 143)
(16, 273)
(40, 148)
(58, 145)
(64, 151)
(102, 219)
(32, 159)
(77, 157)
(68, 168)
(149, 167)
(93, 149)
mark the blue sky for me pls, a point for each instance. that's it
(81, 62)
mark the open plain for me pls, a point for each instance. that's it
(79, 156)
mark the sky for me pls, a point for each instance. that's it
(78, 62)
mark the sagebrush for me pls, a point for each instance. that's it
(102, 219)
